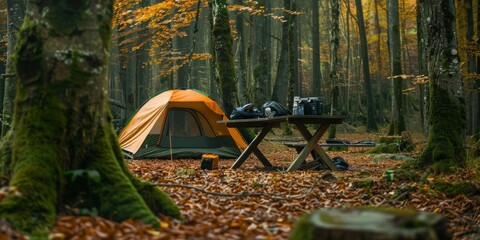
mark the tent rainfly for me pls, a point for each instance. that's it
(179, 124)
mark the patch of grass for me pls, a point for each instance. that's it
(457, 188)
(185, 172)
(363, 183)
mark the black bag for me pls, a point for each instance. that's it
(279, 109)
(312, 106)
(246, 111)
(340, 163)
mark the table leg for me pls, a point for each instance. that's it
(252, 147)
(312, 145)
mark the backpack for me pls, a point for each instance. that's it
(246, 111)
(279, 109)
(340, 163)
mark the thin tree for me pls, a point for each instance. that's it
(397, 122)
(334, 45)
(292, 49)
(380, 83)
(316, 69)
(242, 57)
(280, 87)
(15, 14)
(447, 118)
(471, 69)
(224, 61)
(62, 149)
(371, 123)
(422, 67)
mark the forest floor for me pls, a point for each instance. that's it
(257, 203)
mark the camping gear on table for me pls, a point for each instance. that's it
(209, 161)
(307, 106)
(276, 107)
(250, 111)
(180, 124)
(246, 111)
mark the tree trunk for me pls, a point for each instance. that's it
(182, 46)
(422, 67)
(262, 69)
(63, 147)
(224, 55)
(242, 60)
(292, 71)
(280, 86)
(334, 45)
(15, 13)
(471, 69)
(348, 60)
(316, 67)
(447, 118)
(371, 123)
(379, 100)
(397, 120)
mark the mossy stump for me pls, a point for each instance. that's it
(394, 144)
(369, 223)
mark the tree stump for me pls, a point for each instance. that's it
(370, 223)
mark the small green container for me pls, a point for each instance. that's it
(389, 175)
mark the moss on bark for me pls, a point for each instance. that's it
(445, 149)
(224, 60)
(62, 125)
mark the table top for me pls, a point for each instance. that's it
(303, 119)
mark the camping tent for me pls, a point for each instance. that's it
(179, 124)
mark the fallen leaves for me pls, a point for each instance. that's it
(257, 203)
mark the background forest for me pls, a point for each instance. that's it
(390, 67)
(281, 49)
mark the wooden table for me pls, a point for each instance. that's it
(300, 121)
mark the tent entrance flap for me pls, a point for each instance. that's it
(187, 128)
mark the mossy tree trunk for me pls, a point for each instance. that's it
(62, 125)
(224, 61)
(447, 117)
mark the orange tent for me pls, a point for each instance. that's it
(180, 124)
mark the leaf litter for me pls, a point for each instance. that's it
(254, 202)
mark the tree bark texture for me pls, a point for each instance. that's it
(371, 123)
(242, 59)
(224, 61)
(447, 115)
(379, 101)
(261, 71)
(63, 147)
(280, 86)
(334, 45)
(422, 67)
(472, 98)
(316, 69)
(15, 15)
(292, 56)
(397, 121)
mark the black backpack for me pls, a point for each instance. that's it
(279, 109)
(246, 111)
